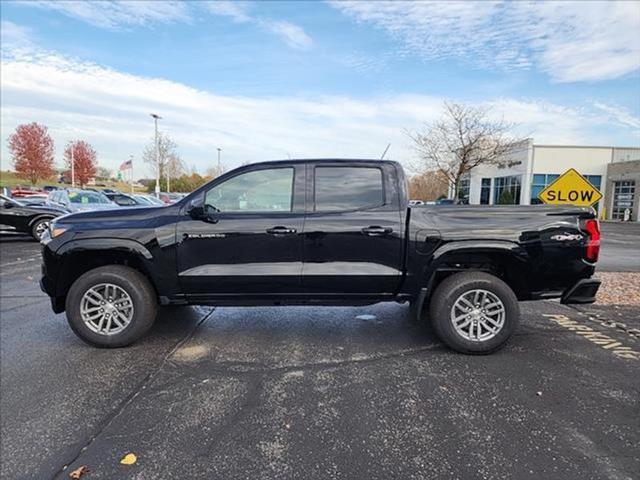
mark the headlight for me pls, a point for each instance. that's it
(56, 230)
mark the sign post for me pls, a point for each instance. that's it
(570, 188)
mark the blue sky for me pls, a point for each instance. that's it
(307, 79)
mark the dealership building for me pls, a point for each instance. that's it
(524, 173)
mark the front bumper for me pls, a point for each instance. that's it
(584, 291)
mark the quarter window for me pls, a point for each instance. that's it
(255, 191)
(347, 188)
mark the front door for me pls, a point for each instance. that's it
(247, 238)
(353, 232)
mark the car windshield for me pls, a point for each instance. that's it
(87, 197)
(11, 200)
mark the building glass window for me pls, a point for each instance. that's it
(463, 188)
(507, 190)
(623, 196)
(540, 181)
(485, 191)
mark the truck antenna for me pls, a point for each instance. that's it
(385, 151)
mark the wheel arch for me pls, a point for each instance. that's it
(505, 260)
(40, 216)
(78, 257)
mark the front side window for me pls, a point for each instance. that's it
(256, 191)
(348, 188)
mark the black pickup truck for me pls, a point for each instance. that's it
(318, 232)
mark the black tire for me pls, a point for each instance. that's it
(134, 284)
(35, 228)
(447, 294)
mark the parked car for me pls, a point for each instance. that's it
(21, 192)
(148, 200)
(335, 232)
(76, 200)
(50, 188)
(35, 199)
(413, 203)
(34, 220)
(123, 200)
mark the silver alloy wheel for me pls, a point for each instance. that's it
(106, 309)
(478, 315)
(41, 228)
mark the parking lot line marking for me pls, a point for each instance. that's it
(594, 336)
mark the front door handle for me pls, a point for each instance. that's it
(280, 230)
(377, 231)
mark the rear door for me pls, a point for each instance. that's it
(353, 230)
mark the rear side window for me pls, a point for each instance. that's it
(348, 188)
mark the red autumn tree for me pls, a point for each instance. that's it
(31, 148)
(84, 161)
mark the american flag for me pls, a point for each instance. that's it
(126, 165)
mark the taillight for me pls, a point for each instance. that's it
(592, 227)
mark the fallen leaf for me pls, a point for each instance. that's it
(129, 459)
(78, 472)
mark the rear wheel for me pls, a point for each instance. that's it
(474, 312)
(39, 227)
(111, 306)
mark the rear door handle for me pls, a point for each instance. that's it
(280, 230)
(377, 231)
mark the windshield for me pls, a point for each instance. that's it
(87, 197)
(4, 200)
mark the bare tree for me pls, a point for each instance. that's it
(169, 157)
(428, 186)
(461, 140)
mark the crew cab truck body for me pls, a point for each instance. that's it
(323, 232)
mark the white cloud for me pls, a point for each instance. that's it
(571, 41)
(293, 35)
(115, 14)
(14, 36)
(118, 14)
(237, 10)
(110, 109)
(619, 115)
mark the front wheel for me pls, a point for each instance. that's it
(39, 228)
(111, 306)
(474, 312)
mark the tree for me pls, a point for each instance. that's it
(506, 198)
(31, 149)
(461, 140)
(169, 158)
(103, 173)
(84, 161)
(428, 186)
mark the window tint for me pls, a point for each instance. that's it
(347, 188)
(256, 191)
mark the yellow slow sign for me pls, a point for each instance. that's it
(570, 188)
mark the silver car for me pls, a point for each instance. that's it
(76, 200)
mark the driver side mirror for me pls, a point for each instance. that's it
(7, 205)
(199, 211)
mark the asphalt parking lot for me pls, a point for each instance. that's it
(318, 392)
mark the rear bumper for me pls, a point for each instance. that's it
(584, 291)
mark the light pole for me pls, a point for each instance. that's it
(155, 119)
(73, 167)
(219, 150)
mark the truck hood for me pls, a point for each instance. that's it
(117, 214)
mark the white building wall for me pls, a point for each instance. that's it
(519, 162)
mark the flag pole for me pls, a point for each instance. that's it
(131, 172)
